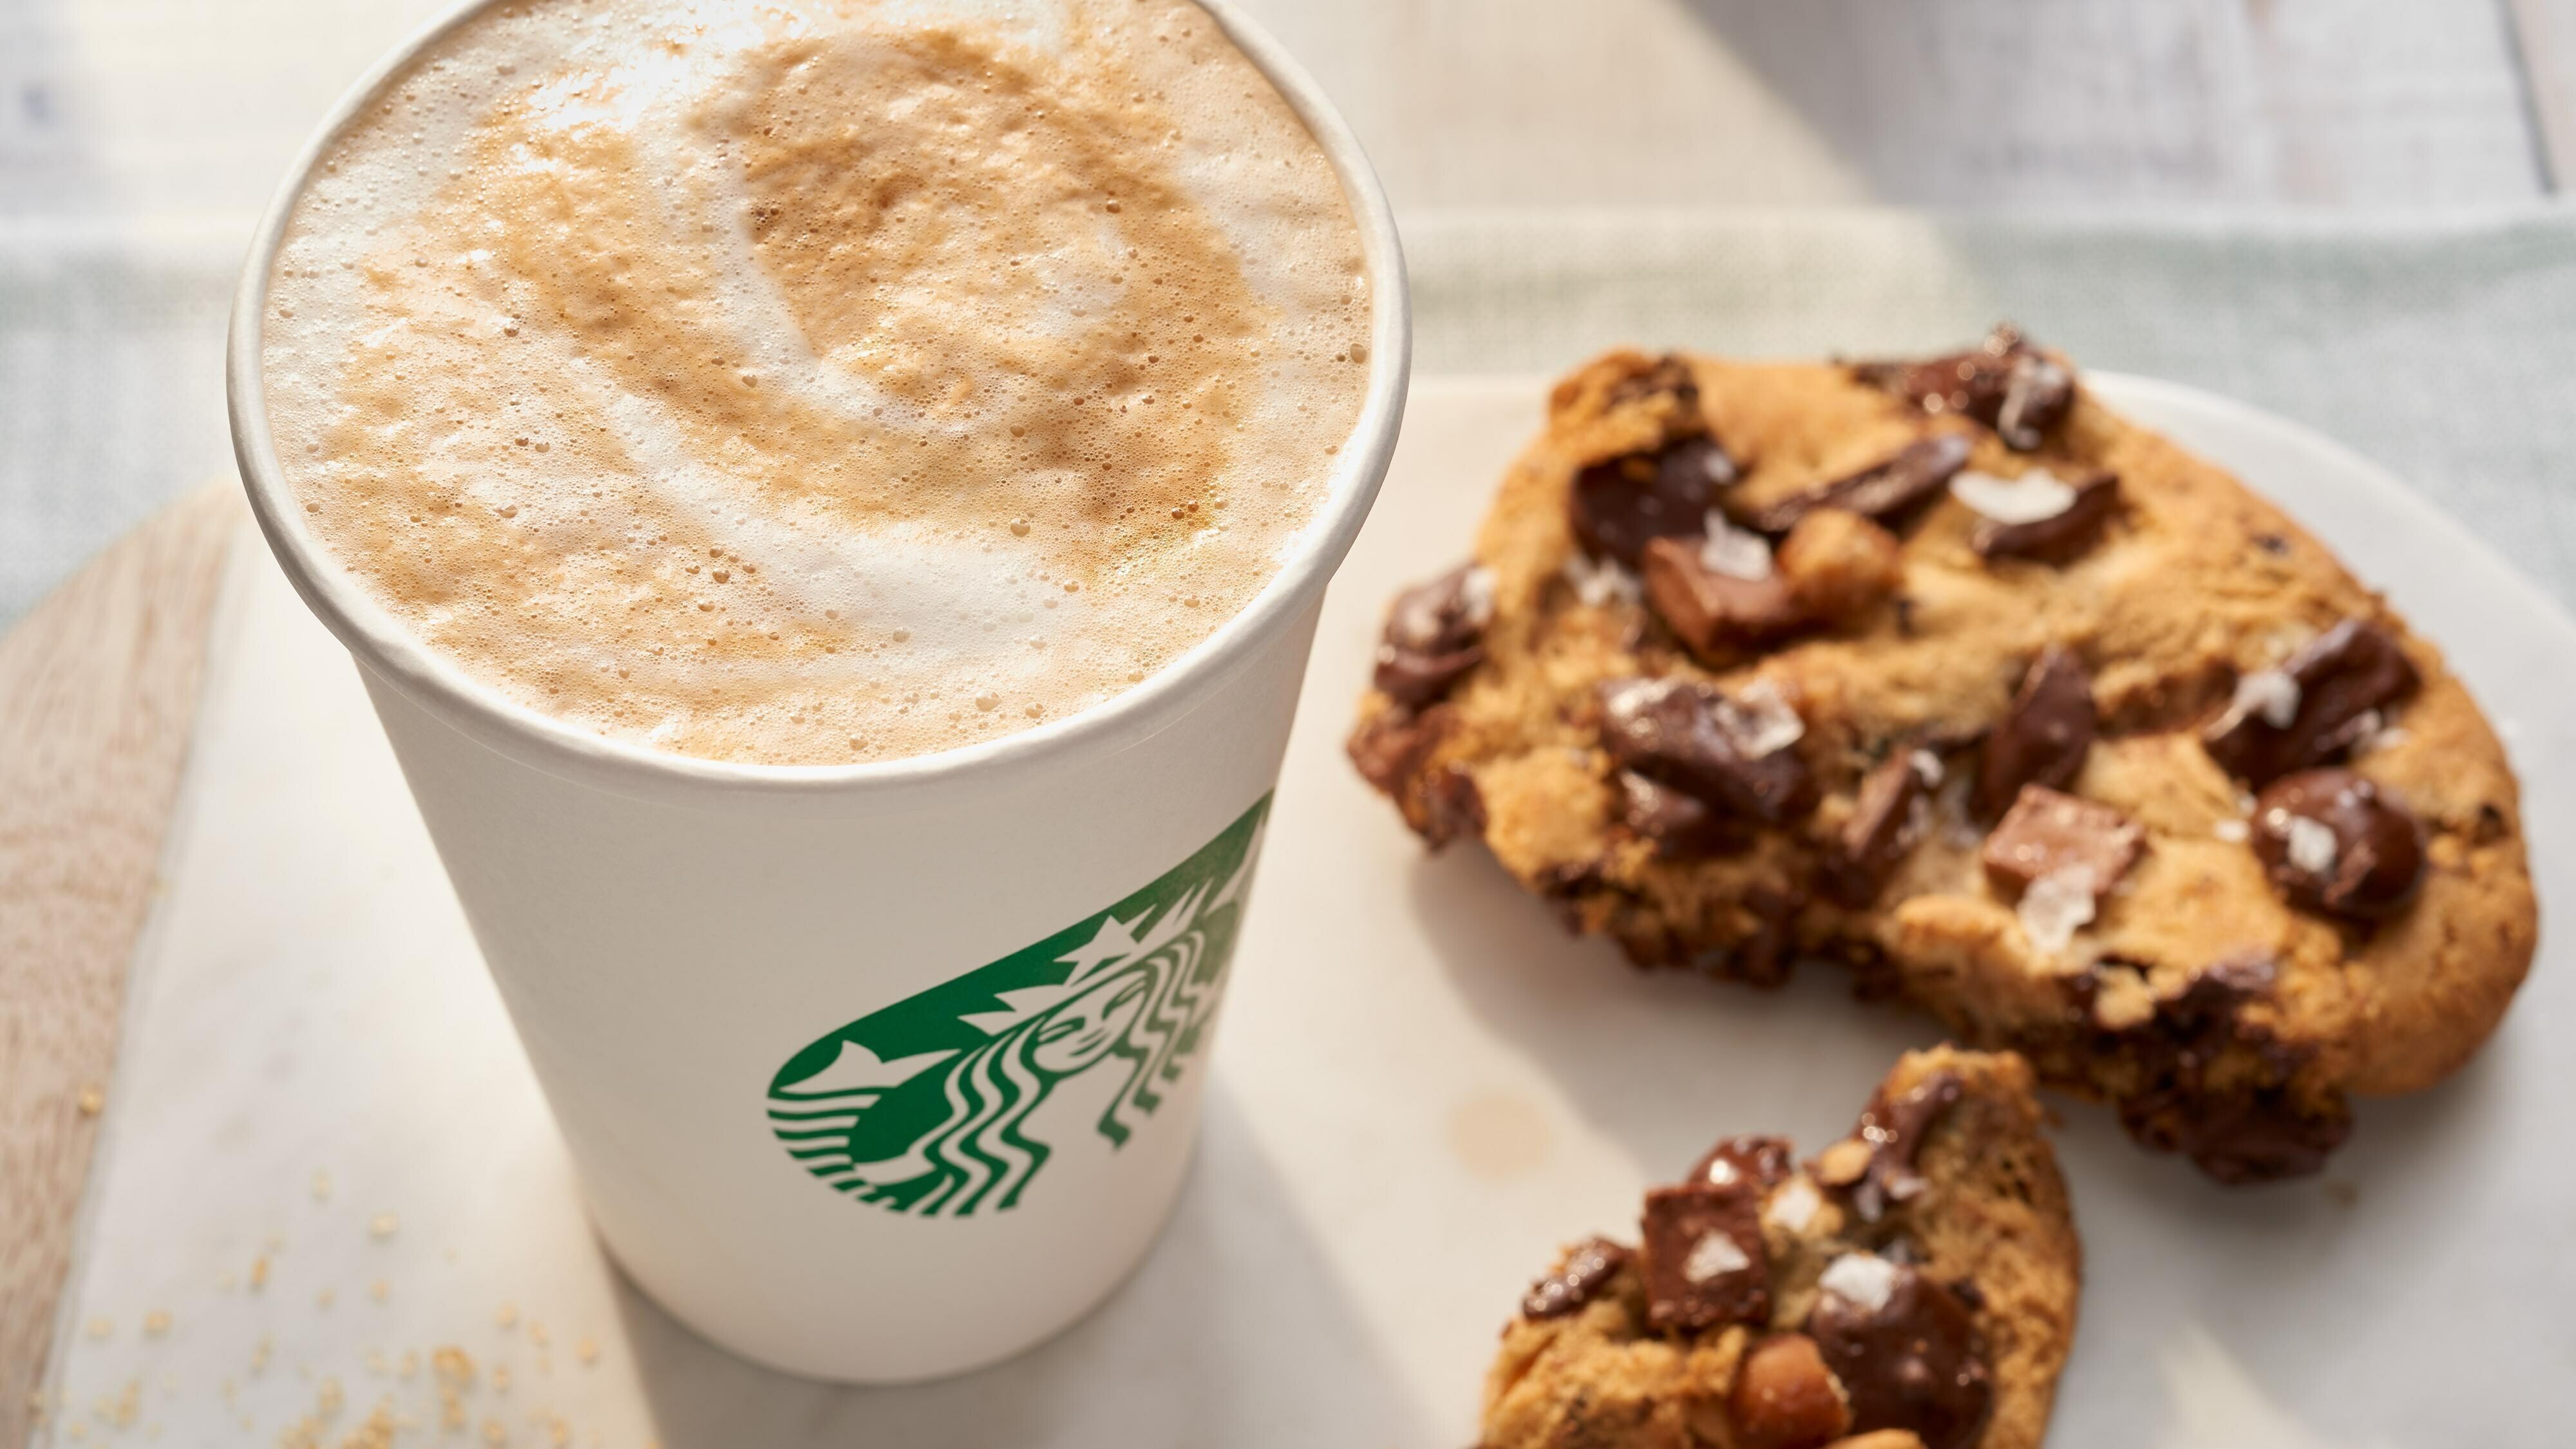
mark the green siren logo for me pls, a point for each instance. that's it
(924, 1106)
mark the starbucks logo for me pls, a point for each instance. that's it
(925, 1106)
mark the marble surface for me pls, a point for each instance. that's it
(328, 1160)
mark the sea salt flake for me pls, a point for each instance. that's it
(2056, 906)
(1636, 696)
(1476, 596)
(2268, 693)
(1735, 552)
(1714, 1256)
(2030, 498)
(1793, 1206)
(1866, 1281)
(1601, 581)
(1758, 722)
(1927, 765)
(2373, 731)
(2234, 832)
(2311, 843)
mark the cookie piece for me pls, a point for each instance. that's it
(1913, 1285)
(1808, 722)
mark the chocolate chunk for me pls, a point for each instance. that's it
(1678, 824)
(1445, 615)
(1906, 1349)
(2048, 834)
(1390, 746)
(1434, 634)
(1449, 805)
(1622, 503)
(2218, 1086)
(1763, 1162)
(2038, 394)
(2232, 982)
(2006, 384)
(1886, 492)
(2320, 704)
(1882, 826)
(1702, 1258)
(1577, 1281)
(2335, 842)
(1713, 612)
(1392, 750)
(1893, 1133)
(2240, 1137)
(1414, 680)
(2044, 733)
(1732, 754)
(1729, 592)
(2058, 537)
(1761, 955)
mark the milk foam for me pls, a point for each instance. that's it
(813, 381)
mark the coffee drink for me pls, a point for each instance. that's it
(817, 381)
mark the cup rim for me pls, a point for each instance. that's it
(384, 647)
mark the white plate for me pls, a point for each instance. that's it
(1423, 1087)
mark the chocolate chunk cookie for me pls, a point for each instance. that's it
(1942, 669)
(1913, 1284)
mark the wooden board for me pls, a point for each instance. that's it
(98, 689)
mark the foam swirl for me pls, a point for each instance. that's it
(818, 381)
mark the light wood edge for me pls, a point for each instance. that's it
(2545, 31)
(98, 699)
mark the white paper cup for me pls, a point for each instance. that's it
(872, 1072)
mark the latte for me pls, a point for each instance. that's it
(808, 382)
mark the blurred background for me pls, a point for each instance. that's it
(1747, 174)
